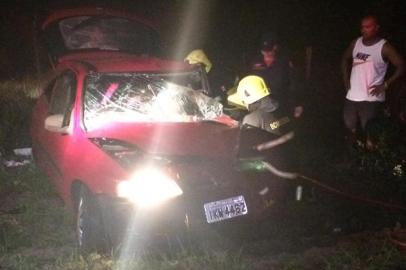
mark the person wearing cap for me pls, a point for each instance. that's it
(279, 75)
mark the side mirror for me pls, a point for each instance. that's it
(54, 123)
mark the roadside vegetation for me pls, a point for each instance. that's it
(37, 232)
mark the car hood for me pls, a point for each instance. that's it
(199, 139)
(85, 29)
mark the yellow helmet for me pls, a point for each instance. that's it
(249, 90)
(199, 57)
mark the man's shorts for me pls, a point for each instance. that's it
(362, 110)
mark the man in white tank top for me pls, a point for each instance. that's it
(364, 67)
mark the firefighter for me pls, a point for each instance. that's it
(198, 57)
(253, 94)
(219, 79)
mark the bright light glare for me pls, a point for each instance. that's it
(148, 187)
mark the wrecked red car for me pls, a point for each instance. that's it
(127, 137)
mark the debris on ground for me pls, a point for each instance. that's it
(20, 157)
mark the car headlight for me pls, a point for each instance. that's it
(149, 187)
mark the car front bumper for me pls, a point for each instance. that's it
(186, 213)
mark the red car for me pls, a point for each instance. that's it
(127, 137)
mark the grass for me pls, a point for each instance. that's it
(16, 102)
(378, 256)
(36, 232)
(34, 224)
(16, 90)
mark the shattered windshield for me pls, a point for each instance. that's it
(148, 97)
(108, 33)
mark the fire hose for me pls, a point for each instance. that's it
(293, 175)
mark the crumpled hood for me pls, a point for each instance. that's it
(202, 139)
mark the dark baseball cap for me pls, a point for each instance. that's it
(268, 41)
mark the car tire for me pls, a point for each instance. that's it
(90, 232)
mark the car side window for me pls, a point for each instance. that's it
(63, 96)
(48, 90)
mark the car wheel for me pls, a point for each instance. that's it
(90, 233)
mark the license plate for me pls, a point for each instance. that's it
(225, 209)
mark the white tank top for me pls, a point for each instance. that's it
(368, 69)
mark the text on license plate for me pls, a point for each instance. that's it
(225, 209)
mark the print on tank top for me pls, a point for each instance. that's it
(368, 70)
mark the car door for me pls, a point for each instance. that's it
(56, 137)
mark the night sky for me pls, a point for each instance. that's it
(227, 30)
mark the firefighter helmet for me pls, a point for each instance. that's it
(199, 57)
(249, 90)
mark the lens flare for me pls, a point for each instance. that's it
(148, 188)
